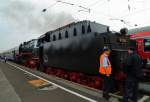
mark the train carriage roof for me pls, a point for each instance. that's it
(137, 30)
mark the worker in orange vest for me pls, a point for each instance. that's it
(105, 71)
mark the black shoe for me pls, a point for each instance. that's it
(106, 96)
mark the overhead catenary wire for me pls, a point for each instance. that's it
(88, 7)
(45, 9)
(82, 8)
(93, 10)
(124, 22)
(96, 2)
(129, 7)
(135, 12)
(85, 9)
(65, 2)
(131, 14)
(68, 3)
(56, 2)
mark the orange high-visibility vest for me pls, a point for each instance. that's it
(104, 70)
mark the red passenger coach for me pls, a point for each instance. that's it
(142, 43)
(142, 40)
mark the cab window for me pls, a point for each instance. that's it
(146, 44)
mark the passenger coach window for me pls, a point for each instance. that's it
(75, 32)
(66, 34)
(59, 36)
(54, 38)
(89, 29)
(83, 30)
(146, 44)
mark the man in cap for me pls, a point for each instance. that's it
(133, 73)
(105, 71)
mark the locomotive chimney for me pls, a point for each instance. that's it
(123, 31)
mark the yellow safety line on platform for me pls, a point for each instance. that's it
(38, 83)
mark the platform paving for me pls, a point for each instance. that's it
(7, 92)
(21, 84)
(24, 87)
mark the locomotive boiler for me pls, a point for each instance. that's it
(25, 54)
(28, 53)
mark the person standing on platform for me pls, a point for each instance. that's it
(133, 71)
(5, 59)
(105, 71)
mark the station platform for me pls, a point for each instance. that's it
(21, 84)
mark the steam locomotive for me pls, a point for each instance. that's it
(25, 54)
(77, 46)
(72, 51)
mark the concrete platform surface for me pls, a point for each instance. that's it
(24, 86)
(7, 92)
(21, 84)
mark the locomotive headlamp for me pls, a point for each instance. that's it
(122, 40)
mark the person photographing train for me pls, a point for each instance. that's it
(105, 71)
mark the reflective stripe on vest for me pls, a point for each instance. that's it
(104, 70)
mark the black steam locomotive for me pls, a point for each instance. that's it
(24, 53)
(77, 47)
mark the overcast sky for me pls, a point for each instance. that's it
(22, 20)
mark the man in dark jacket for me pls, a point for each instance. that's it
(133, 73)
